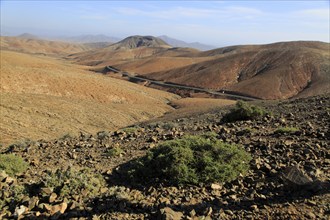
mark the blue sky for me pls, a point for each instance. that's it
(217, 23)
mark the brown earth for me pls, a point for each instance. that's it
(46, 98)
(149, 65)
(101, 57)
(274, 71)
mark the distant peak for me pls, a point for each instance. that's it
(27, 36)
(141, 41)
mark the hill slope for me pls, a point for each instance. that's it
(274, 71)
(35, 46)
(46, 98)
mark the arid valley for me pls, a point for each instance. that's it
(61, 108)
(152, 127)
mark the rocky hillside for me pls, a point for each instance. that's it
(288, 176)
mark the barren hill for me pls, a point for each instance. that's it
(140, 41)
(35, 46)
(46, 98)
(273, 71)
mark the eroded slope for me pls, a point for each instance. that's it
(46, 98)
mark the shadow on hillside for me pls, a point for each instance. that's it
(121, 205)
(275, 193)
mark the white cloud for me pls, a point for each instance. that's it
(167, 14)
(184, 12)
(322, 13)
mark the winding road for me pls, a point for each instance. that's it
(223, 93)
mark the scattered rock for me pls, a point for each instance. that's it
(169, 214)
(19, 211)
(216, 186)
(295, 176)
(52, 197)
(60, 208)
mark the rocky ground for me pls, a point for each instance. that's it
(288, 177)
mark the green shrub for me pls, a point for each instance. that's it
(66, 136)
(14, 194)
(74, 182)
(129, 130)
(191, 160)
(114, 152)
(12, 164)
(286, 130)
(21, 145)
(103, 135)
(169, 125)
(244, 111)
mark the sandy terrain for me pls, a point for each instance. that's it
(45, 98)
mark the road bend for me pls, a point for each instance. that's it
(223, 93)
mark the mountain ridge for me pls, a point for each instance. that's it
(180, 43)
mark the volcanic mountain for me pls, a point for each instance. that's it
(133, 42)
(129, 49)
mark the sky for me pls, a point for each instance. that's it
(218, 23)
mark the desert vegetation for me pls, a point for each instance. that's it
(73, 181)
(192, 160)
(244, 111)
(286, 130)
(12, 164)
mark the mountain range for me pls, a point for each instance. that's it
(179, 43)
(101, 38)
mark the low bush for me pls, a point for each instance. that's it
(74, 182)
(12, 164)
(191, 160)
(114, 152)
(130, 130)
(11, 196)
(103, 135)
(244, 111)
(286, 130)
